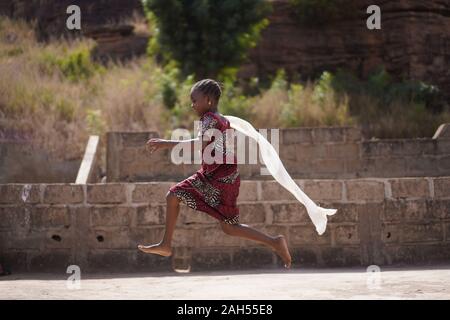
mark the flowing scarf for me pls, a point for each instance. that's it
(317, 214)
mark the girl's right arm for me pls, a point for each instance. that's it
(156, 143)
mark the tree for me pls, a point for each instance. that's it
(206, 38)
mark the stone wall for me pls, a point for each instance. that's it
(316, 152)
(98, 226)
(22, 162)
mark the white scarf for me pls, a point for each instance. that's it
(276, 168)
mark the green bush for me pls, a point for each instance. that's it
(386, 89)
(11, 52)
(78, 65)
(95, 121)
(388, 108)
(234, 102)
(205, 38)
(75, 65)
(65, 109)
(316, 104)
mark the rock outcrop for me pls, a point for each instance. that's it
(414, 41)
(106, 21)
(51, 16)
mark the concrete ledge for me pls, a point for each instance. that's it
(309, 152)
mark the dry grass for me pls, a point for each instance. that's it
(300, 105)
(58, 112)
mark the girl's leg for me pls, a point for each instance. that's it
(278, 243)
(164, 247)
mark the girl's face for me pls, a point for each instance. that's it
(200, 102)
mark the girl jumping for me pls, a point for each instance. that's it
(214, 188)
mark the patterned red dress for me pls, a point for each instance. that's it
(214, 188)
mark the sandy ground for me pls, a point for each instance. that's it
(355, 283)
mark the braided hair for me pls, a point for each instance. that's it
(210, 88)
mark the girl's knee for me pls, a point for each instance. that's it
(171, 197)
(228, 228)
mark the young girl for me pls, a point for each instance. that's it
(214, 188)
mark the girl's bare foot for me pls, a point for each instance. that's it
(282, 250)
(156, 249)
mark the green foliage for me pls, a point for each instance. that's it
(75, 65)
(65, 109)
(315, 104)
(388, 108)
(385, 89)
(95, 121)
(174, 94)
(169, 87)
(279, 82)
(78, 65)
(322, 87)
(205, 38)
(11, 52)
(234, 102)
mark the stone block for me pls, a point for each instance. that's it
(12, 217)
(422, 232)
(293, 212)
(51, 261)
(252, 213)
(63, 194)
(323, 189)
(154, 192)
(347, 234)
(409, 188)
(364, 190)
(247, 191)
(272, 190)
(214, 236)
(150, 215)
(43, 217)
(307, 235)
(106, 193)
(341, 256)
(111, 215)
(441, 187)
(19, 193)
(206, 260)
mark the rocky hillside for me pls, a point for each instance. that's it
(414, 39)
(51, 15)
(106, 21)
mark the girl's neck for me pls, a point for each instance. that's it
(213, 110)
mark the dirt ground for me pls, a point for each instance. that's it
(355, 283)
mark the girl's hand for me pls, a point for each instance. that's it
(155, 144)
